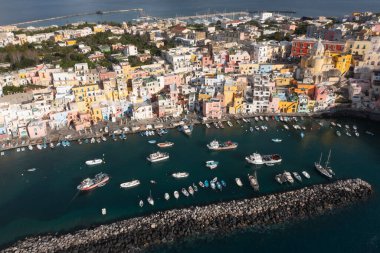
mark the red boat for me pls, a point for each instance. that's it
(91, 183)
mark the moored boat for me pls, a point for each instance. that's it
(212, 164)
(258, 159)
(167, 196)
(201, 184)
(180, 174)
(238, 182)
(323, 170)
(130, 184)
(288, 177)
(305, 174)
(191, 190)
(165, 144)
(216, 145)
(94, 162)
(157, 157)
(253, 182)
(297, 176)
(185, 192)
(176, 194)
(277, 140)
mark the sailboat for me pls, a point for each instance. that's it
(321, 169)
(150, 199)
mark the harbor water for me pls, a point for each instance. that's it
(16, 11)
(46, 200)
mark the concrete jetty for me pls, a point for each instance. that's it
(141, 233)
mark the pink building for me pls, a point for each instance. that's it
(273, 105)
(207, 61)
(172, 79)
(212, 108)
(37, 129)
(107, 75)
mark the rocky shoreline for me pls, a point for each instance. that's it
(141, 233)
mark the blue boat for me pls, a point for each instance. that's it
(223, 183)
(302, 135)
(218, 185)
(206, 184)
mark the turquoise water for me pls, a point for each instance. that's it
(24, 10)
(47, 200)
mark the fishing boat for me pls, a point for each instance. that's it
(180, 174)
(157, 157)
(184, 192)
(288, 177)
(130, 184)
(141, 203)
(338, 133)
(230, 123)
(206, 183)
(91, 183)
(94, 162)
(201, 184)
(176, 194)
(212, 185)
(212, 164)
(258, 159)
(318, 166)
(238, 182)
(305, 174)
(297, 176)
(216, 145)
(277, 140)
(165, 144)
(152, 141)
(167, 196)
(191, 190)
(253, 182)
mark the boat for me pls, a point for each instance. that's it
(167, 196)
(104, 211)
(257, 128)
(206, 183)
(201, 184)
(94, 162)
(180, 174)
(157, 157)
(223, 183)
(219, 186)
(130, 184)
(347, 126)
(238, 182)
(333, 123)
(338, 125)
(329, 169)
(195, 187)
(279, 178)
(18, 149)
(216, 125)
(305, 174)
(338, 133)
(354, 127)
(30, 147)
(256, 119)
(369, 133)
(104, 138)
(212, 185)
(216, 145)
(322, 169)
(184, 192)
(357, 134)
(152, 182)
(215, 179)
(39, 146)
(212, 164)
(176, 194)
(297, 176)
(152, 141)
(348, 134)
(221, 125)
(277, 140)
(266, 118)
(141, 203)
(261, 118)
(253, 182)
(230, 123)
(187, 130)
(165, 144)
(91, 183)
(208, 125)
(258, 159)
(32, 169)
(288, 177)
(150, 200)
(191, 190)
(251, 129)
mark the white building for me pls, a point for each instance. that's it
(142, 111)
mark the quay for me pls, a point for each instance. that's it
(214, 220)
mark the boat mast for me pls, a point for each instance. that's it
(320, 159)
(328, 159)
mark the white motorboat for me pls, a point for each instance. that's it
(238, 182)
(305, 174)
(130, 184)
(288, 177)
(167, 196)
(191, 190)
(176, 194)
(258, 159)
(180, 174)
(141, 203)
(184, 192)
(297, 176)
(94, 162)
(277, 140)
(157, 157)
(212, 164)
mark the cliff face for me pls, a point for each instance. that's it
(137, 234)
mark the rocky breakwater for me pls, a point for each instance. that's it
(138, 234)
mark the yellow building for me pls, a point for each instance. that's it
(248, 68)
(357, 47)
(342, 62)
(88, 94)
(288, 106)
(58, 38)
(96, 112)
(99, 29)
(229, 91)
(71, 42)
(202, 96)
(283, 81)
(237, 104)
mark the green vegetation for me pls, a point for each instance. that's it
(135, 62)
(278, 36)
(7, 90)
(301, 29)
